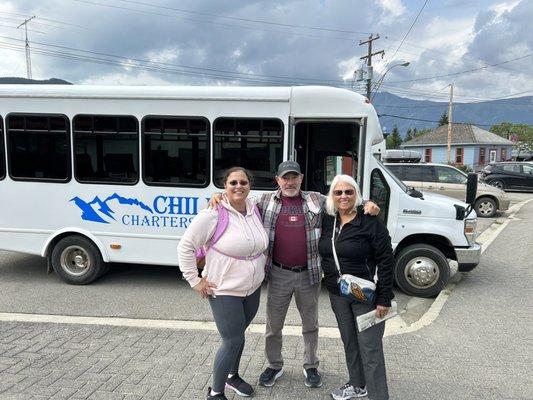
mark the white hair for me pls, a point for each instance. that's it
(330, 204)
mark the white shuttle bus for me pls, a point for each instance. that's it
(91, 175)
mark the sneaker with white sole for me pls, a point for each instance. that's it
(239, 386)
(269, 376)
(347, 391)
(313, 379)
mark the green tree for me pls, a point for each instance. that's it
(394, 140)
(522, 134)
(443, 119)
(409, 135)
(423, 131)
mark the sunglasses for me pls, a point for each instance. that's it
(242, 183)
(347, 192)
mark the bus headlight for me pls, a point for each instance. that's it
(470, 230)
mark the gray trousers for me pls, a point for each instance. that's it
(282, 286)
(232, 316)
(363, 350)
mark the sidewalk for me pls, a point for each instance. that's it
(478, 348)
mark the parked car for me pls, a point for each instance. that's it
(449, 181)
(509, 175)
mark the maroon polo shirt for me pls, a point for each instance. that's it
(290, 245)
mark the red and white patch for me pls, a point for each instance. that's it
(293, 218)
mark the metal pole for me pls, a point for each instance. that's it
(450, 123)
(28, 55)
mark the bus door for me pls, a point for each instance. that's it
(325, 148)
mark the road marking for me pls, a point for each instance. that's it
(485, 239)
(394, 326)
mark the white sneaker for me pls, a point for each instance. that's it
(347, 391)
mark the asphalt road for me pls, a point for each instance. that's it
(137, 291)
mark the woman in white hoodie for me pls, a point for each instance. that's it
(232, 276)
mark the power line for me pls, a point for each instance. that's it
(462, 72)
(427, 120)
(154, 66)
(410, 29)
(246, 19)
(235, 75)
(226, 25)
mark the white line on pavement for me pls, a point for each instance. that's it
(395, 326)
(485, 239)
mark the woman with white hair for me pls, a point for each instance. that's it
(355, 245)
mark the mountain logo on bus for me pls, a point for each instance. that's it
(98, 210)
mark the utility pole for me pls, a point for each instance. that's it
(28, 57)
(450, 123)
(368, 58)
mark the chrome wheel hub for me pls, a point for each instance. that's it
(422, 272)
(75, 260)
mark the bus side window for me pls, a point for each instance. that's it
(38, 147)
(380, 194)
(106, 149)
(253, 143)
(2, 151)
(175, 151)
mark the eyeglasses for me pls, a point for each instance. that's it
(347, 192)
(242, 183)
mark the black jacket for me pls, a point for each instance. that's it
(362, 244)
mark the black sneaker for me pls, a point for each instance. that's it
(239, 386)
(269, 376)
(312, 378)
(219, 396)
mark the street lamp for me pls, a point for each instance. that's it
(380, 81)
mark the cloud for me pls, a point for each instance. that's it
(393, 7)
(203, 47)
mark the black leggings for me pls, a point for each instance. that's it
(232, 316)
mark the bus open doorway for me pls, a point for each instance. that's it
(324, 149)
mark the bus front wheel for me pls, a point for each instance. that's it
(421, 270)
(77, 260)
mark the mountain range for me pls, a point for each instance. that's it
(405, 113)
(408, 113)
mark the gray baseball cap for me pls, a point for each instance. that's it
(288, 166)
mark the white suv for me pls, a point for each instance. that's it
(449, 181)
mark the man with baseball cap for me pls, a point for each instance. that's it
(293, 220)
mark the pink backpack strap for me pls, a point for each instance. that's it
(222, 224)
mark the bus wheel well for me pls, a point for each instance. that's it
(436, 241)
(61, 236)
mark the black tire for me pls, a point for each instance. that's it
(421, 270)
(498, 183)
(485, 207)
(77, 260)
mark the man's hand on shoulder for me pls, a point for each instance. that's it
(216, 198)
(371, 208)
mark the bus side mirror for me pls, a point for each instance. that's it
(471, 188)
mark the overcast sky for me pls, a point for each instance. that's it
(238, 42)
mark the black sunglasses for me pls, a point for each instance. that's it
(234, 183)
(347, 192)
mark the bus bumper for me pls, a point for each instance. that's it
(468, 258)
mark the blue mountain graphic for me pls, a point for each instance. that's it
(90, 214)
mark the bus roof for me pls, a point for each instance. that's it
(304, 101)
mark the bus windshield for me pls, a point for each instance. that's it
(404, 187)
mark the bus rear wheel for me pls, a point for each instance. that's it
(77, 260)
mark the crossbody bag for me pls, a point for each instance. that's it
(351, 286)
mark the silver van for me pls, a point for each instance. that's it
(449, 181)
